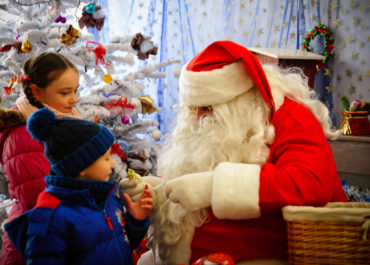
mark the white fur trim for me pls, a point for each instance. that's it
(236, 191)
(213, 87)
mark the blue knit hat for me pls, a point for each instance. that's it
(71, 145)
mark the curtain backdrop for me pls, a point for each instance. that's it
(182, 28)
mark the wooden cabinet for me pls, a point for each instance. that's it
(352, 157)
(307, 61)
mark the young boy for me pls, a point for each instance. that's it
(78, 219)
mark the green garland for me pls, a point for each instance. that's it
(329, 42)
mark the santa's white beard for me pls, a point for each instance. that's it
(237, 131)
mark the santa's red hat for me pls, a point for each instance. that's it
(221, 72)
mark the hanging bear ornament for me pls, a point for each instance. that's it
(92, 16)
(144, 46)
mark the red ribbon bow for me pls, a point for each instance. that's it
(98, 50)
(121, 102)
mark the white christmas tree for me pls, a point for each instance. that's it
(109, 93)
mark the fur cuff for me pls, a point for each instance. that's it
(236, 191)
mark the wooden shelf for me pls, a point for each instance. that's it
(307, 61)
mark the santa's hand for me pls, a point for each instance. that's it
(191, 191)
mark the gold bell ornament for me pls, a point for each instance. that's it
(26, 47)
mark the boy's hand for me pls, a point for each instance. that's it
(142, 208)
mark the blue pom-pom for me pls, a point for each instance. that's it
(40, 123)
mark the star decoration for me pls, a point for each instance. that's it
(240, 21)
(351, 39)
(327, 72)
(354, 55)
(333, 6)
(314, 18)
(352, 89)
(276, 29)
(242, 5)
(349, 72)
(352, 4)
(259, 31)
(336, 22)
(245, 34)
(356, 21)
(292, 35)
(204, 14)
(273, 44)
(359, 78)
(330, 88)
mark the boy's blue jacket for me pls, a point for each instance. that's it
(68, 227)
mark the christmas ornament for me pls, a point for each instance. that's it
(116, 149)
(98, 49)
(70, 36)
(329, 42)
(156, 134)
(17, 78)
(92, 16)
(120, 103)
(90, 8)
(125, 120)
(96, 119)
(147, 105)
(215, 259)
(61, 19)
(26, 47)
(107, 78)
(144, 46)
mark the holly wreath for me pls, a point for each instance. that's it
(329, 42)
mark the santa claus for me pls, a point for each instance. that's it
(249, 139)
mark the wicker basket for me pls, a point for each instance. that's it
(335, 234)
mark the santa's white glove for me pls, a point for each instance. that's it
(191, 191)
(135, 188)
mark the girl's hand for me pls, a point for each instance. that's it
(142, 208)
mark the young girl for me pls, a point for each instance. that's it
(78, 219)
(50, 81)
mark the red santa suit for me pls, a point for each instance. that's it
(300, 171)
(245, 198)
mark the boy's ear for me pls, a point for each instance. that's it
(35, 90)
